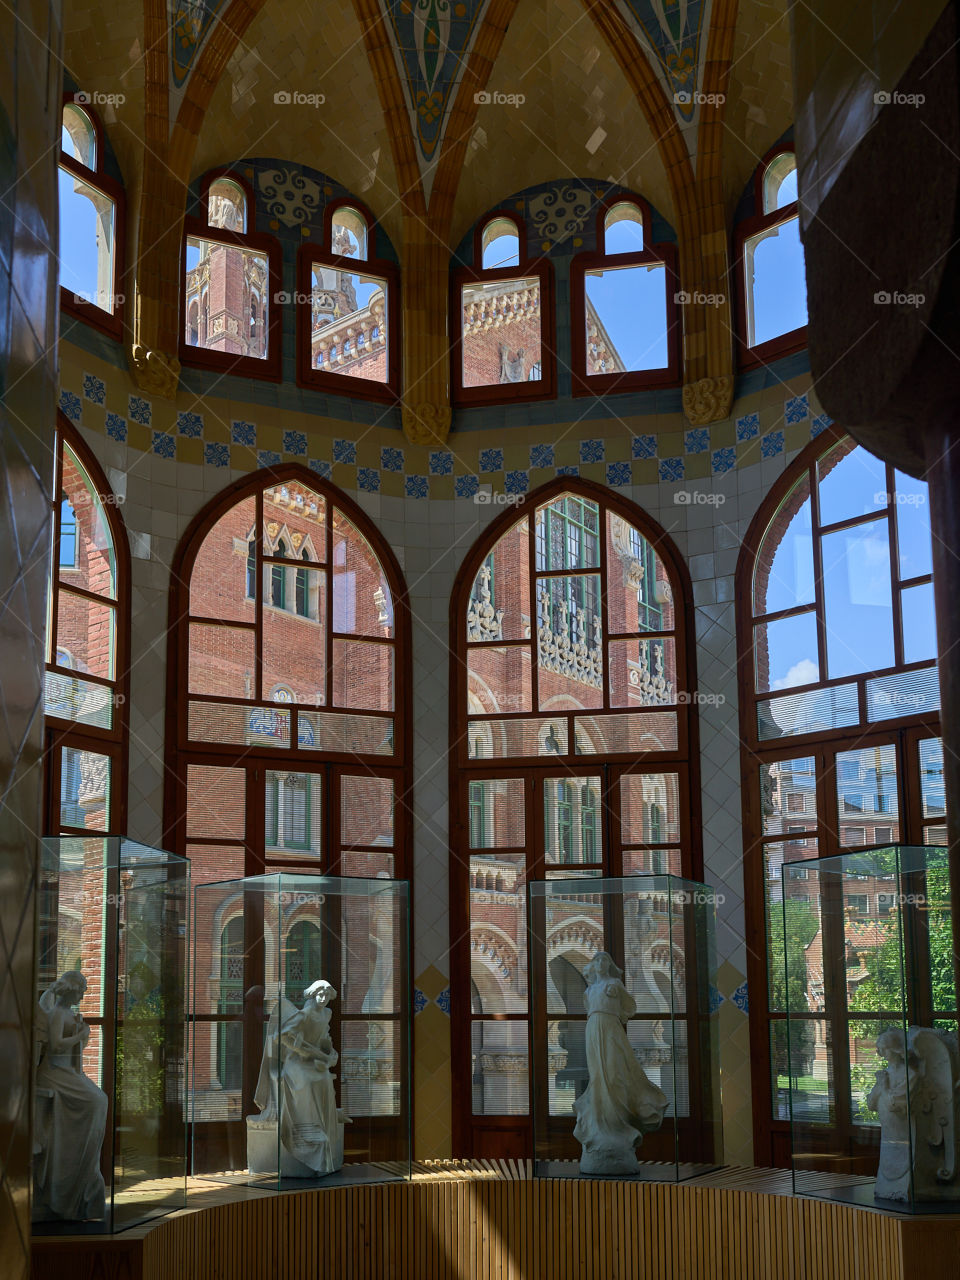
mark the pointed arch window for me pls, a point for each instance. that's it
(624, 315)
(565, 730)
(840, 725)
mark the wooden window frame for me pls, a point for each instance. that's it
(269, 369)
(545, 387)
(602, 384)
(110, 324)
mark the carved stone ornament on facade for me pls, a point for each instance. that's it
(483, 621)
(94, 779)
(562, 643)
(155, 373)
(426, 423)
(708, 400)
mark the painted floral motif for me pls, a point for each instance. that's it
(268, 458)
(672, 469)
(748, 426)
(391, 459)
(116, 427)
(466, 486)
(619, 473)
(697, 440)
(192, 20)
(592, 450)
(644, 446)
(71, 405)
(289, 196)
(321, 467)
(491, 459)
(216, 454)
(516, 482)
(244, 433)
(542, 455)
(94, 388)
(560, 212)
(673, 31)
(190, 425)
(344, 451)
(368, 479)
(771, 444)
(441, 463)
(796, 409)
(295, 442)
(140, 410)
(417, 487)
(443, 1001)
(164, 445)
(723, 460)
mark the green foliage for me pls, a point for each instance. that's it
(788, 978)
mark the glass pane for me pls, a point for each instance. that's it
(913, 526)
(623, 229)
(362, 602)
(783, 577)
(907, 693)
(802, 961)
(868, 796)
(785, 652)
(568, 1075)
(569, 642)
(567, 535)
(788, 795)
(643, 673)
(363, 675)
(78, 138)
(86, 635)
(244, 726)
(345, 734)
(348, 234)
(935, 835)
(499, 607)
(349, 324)
(85, 779)
(496, 813)
(226, 206)
(498, 739)
(573, 819)
(857, 597)
(501, 332)
(69, 698)
(498, 933)
(372, 1072)
(87, 558)
(649, 808)
(498, 679)
(223, 581)
(808, 712)
(852, 482)
(931, 778)
(919, 623)
(801, 1060)
(366, 811)
(227, 298)
(216, 802)
(777, 289)
(652, 862)
(639, 594)
(294, 519)
(222, 660)
(634, 732)
(87, 242)
(500, 1068)
(626, 318)
(359, 862)
(780, 182)
(500, 244)
(211, 862)
(294, 641)
(293, 822)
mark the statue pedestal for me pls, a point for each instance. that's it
(612, 1159)
(263, 1149)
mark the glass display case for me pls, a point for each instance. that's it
(301, 1030)
(109, 1146)
(626, 1078)
(873, 1070)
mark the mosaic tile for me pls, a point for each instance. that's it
(164, 445)
(94, 388)
(516, 482)
(466, 486)
(440, 462)
(417, 487)
(796, 409)
(391, 459)
(116, 427)
(216, 454)
(820, 424)
(344, 451)
(368, 479)
(723, 460)
(672, 469)
(592, 451)
(190, 425)
(295, 442)
(140, 410)
(541, 455)
(619, 474)
(771, 444)
(443, 1001)
(748, 426)
(321, 467)
(491, 460)
(243, 433)
(696, 440)
(644, 446)
(268, 458)
(72, 406)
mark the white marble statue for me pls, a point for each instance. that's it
(295, 1090)
(71, 1111)
(620, 1104)
(916, 1098)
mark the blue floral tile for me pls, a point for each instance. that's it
(321, 467)
(723, 460)
(443, 1000)
(491, 459)
(696, 440)
(368, 479)
(94, 388)
(295, 442)
(420, 1001)
(466, 486)
(820, 424)
(568, 471)
(391, 459)
(140, 410)
(344, 451)
(216, 454)
(748, 427)
(244, 433)
(116, 427)
(771, 444)
(416, 487)
(441, 462)
(268, 458)
(796, 409)
(741, 998)
(714, 998)
(516, 481)
(542, 455)
(71, 406)
(672, 469)
(592, 451)
(619, 473)
(644, 446)
(190, 425)
(164, 445)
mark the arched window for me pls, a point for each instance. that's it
(91, 222)
(773, 286)
(502, 319)
(230, 275)
(85, 690)
(571, 677)
(348, 334)
(840, 725)
(623, 304)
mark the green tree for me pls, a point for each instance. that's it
(788, 978)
